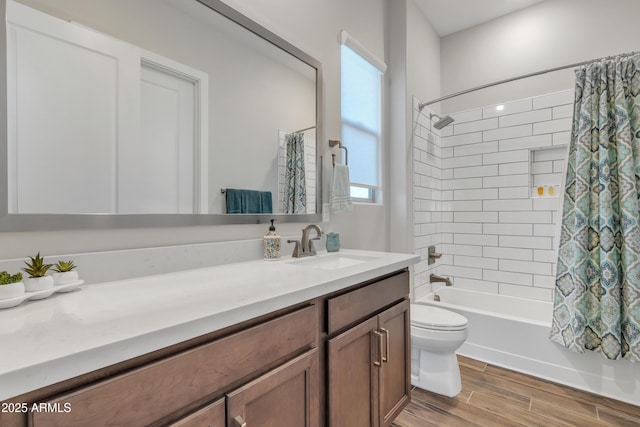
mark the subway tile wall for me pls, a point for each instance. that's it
(475, 197)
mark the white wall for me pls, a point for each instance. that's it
(549, 34)
(415, 160)
(313, 26)
(423, 57)
(398, 196)
(4, 204)
(414, 52)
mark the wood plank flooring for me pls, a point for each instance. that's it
(493, 396)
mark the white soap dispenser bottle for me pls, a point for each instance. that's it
(272, 244)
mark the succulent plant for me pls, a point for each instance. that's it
(64, 266)
(7, 279)
(37, 267)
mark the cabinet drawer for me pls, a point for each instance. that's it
(347, 309)
(152, 392)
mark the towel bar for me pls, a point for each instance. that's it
(333, 143)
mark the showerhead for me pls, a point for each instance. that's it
(442, 121)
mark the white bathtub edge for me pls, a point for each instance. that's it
(550, 372)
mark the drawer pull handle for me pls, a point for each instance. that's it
(239, 422)
(385, 357)
(379, 361)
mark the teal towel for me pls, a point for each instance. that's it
(248, 201)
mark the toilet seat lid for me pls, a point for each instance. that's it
(429, 317)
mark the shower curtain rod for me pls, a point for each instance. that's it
(524, 76)
(302, 130)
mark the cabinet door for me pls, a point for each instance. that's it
(395, 372)
(210, 416)
(285, 397)
(353, 376)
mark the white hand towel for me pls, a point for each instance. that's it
(340, 198)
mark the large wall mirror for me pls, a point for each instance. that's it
(140, 113)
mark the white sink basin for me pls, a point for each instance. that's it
(332, 261)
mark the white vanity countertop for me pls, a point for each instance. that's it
(48, 341)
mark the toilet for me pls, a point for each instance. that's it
(436, 334)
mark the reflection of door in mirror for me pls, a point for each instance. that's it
(95, 130)
(158, 170)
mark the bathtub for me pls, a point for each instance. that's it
(514, 333)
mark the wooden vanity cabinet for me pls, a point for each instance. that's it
(154, 393)
(342, 359)
(369, 364)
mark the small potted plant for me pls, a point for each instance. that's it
(65, 273)
(37, 270)
(11, 285)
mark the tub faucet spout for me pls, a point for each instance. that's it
(434, 279)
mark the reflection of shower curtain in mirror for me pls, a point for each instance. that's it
(295, 194)
(597, 295)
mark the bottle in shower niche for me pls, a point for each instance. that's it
(272, 244)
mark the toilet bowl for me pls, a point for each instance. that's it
(436, 334)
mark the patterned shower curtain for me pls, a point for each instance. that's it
(295, 188)
(597, 292)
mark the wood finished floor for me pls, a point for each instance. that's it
(493, 396)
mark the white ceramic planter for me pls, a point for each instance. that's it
(34, 284)
(12, 290)
(65, 278)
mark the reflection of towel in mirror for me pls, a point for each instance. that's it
(248, 201)
(340, 199)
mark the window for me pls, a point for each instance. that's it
(361, 105)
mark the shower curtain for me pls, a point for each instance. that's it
(295, 188)
(597, 291)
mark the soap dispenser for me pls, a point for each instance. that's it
(272, 244)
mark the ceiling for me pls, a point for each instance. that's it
(449, 16)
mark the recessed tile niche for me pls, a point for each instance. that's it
(546, 170)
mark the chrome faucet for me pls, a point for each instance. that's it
(434, 279)
(304, 246)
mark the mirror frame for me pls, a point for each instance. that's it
(49, 222)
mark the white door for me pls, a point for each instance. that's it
(158, 171)
(79, 87)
